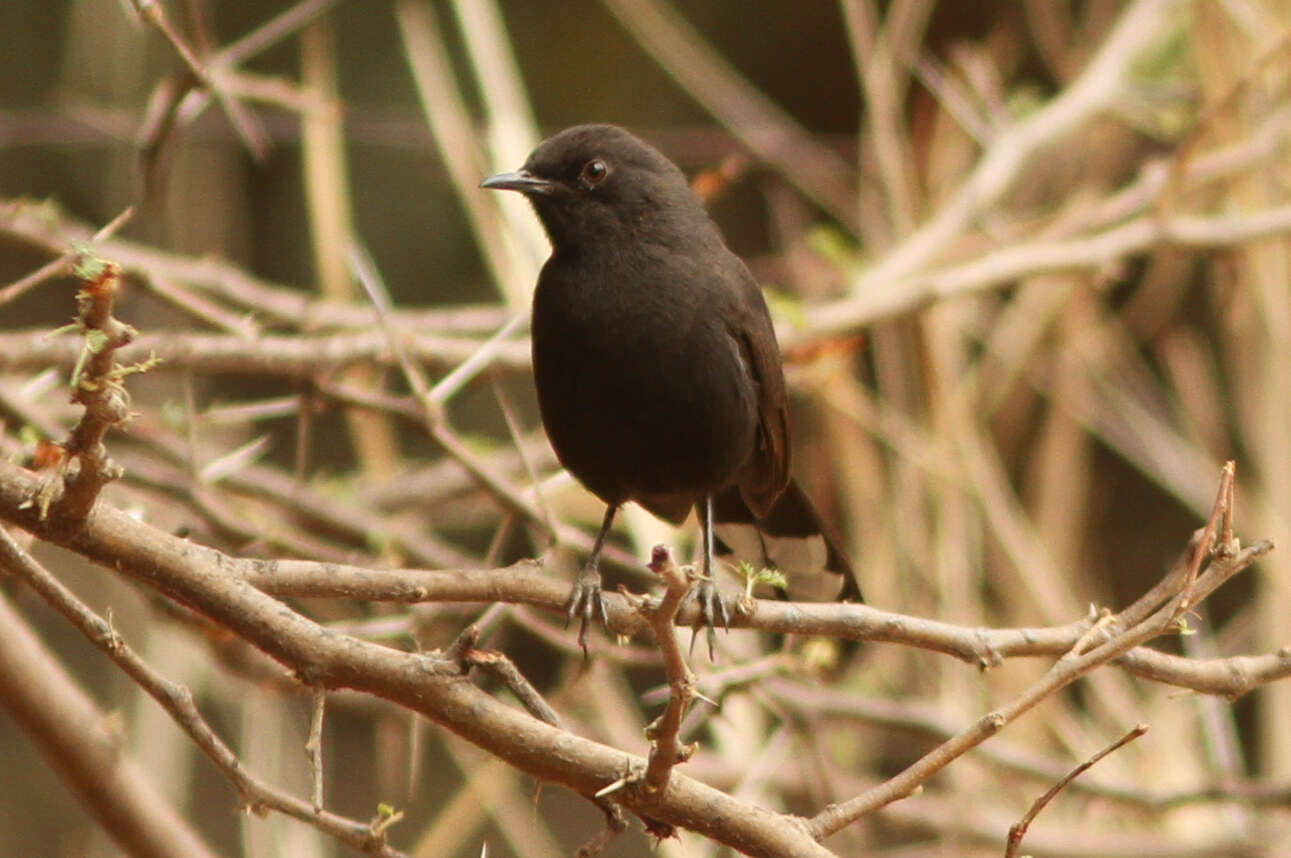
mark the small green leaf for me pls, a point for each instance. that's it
(774, 577)
(89, 265)
(753, 577)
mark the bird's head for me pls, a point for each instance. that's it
(590, 183)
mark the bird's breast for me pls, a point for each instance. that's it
(640, 384)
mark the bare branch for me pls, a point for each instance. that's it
(178, 702)
(1019, 830)
(428, 684)
(77, 738)
(666, 750)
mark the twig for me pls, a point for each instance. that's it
(615, 825)
(83, 745)
(304, 356)
(271, 32)
(1093, 91)
(454, 133)
(1019, 829)
(530, 471)
(1220, 522)
(433, 406)
(178, 702)
(759, 123)
(666, 749)
(510, 129)
(62, 264)
(483, 358)
(525, 583)
(1070, 667)
(347, 522)
(1206, 121)
(243, 121)
(314, 746)
(501, 667)
(1021, 260)
(199, 577)
(44, 227)
(96, 384)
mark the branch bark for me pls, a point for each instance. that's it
(74, 736)
(202, 578)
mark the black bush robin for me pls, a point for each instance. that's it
(658, 374)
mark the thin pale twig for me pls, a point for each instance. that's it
(1019, 829)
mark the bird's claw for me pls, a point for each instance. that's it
(586, 601)
(712, 611)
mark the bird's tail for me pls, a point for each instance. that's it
(791, 538)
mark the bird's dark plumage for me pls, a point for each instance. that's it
(658, 374)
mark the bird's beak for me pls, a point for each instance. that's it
(519, 180)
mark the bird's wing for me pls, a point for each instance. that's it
(767, 473)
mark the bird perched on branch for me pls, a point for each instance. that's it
(658, 373)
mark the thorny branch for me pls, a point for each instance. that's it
(429, 684)
(84, 468)
(525, 583)
(171, 562)
(1110, 637)
(264, 328)
(666, 750)
(257, 795)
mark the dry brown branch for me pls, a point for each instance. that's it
(524, 583)
(1024, 259)
(1030, 262)
(188, 572)
(761, 125)
(178, 702)
(1019, 829)
(1103, 641)
(1094, 91)
(503, 669)
(314, 748)
(62, 264)
(925, 719)
(42, 226)
(84, 468)
(666, 750)
(430, 685)
(243, 121)
(78, 740)
(269, 355)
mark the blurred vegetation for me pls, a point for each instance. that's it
(1000, 445)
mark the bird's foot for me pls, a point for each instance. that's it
(585, 602)
(714, 607)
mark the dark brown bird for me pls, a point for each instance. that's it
(658, 374)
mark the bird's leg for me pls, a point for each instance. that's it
(712, 609)
(585, 599)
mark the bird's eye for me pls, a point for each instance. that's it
(594, 172)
